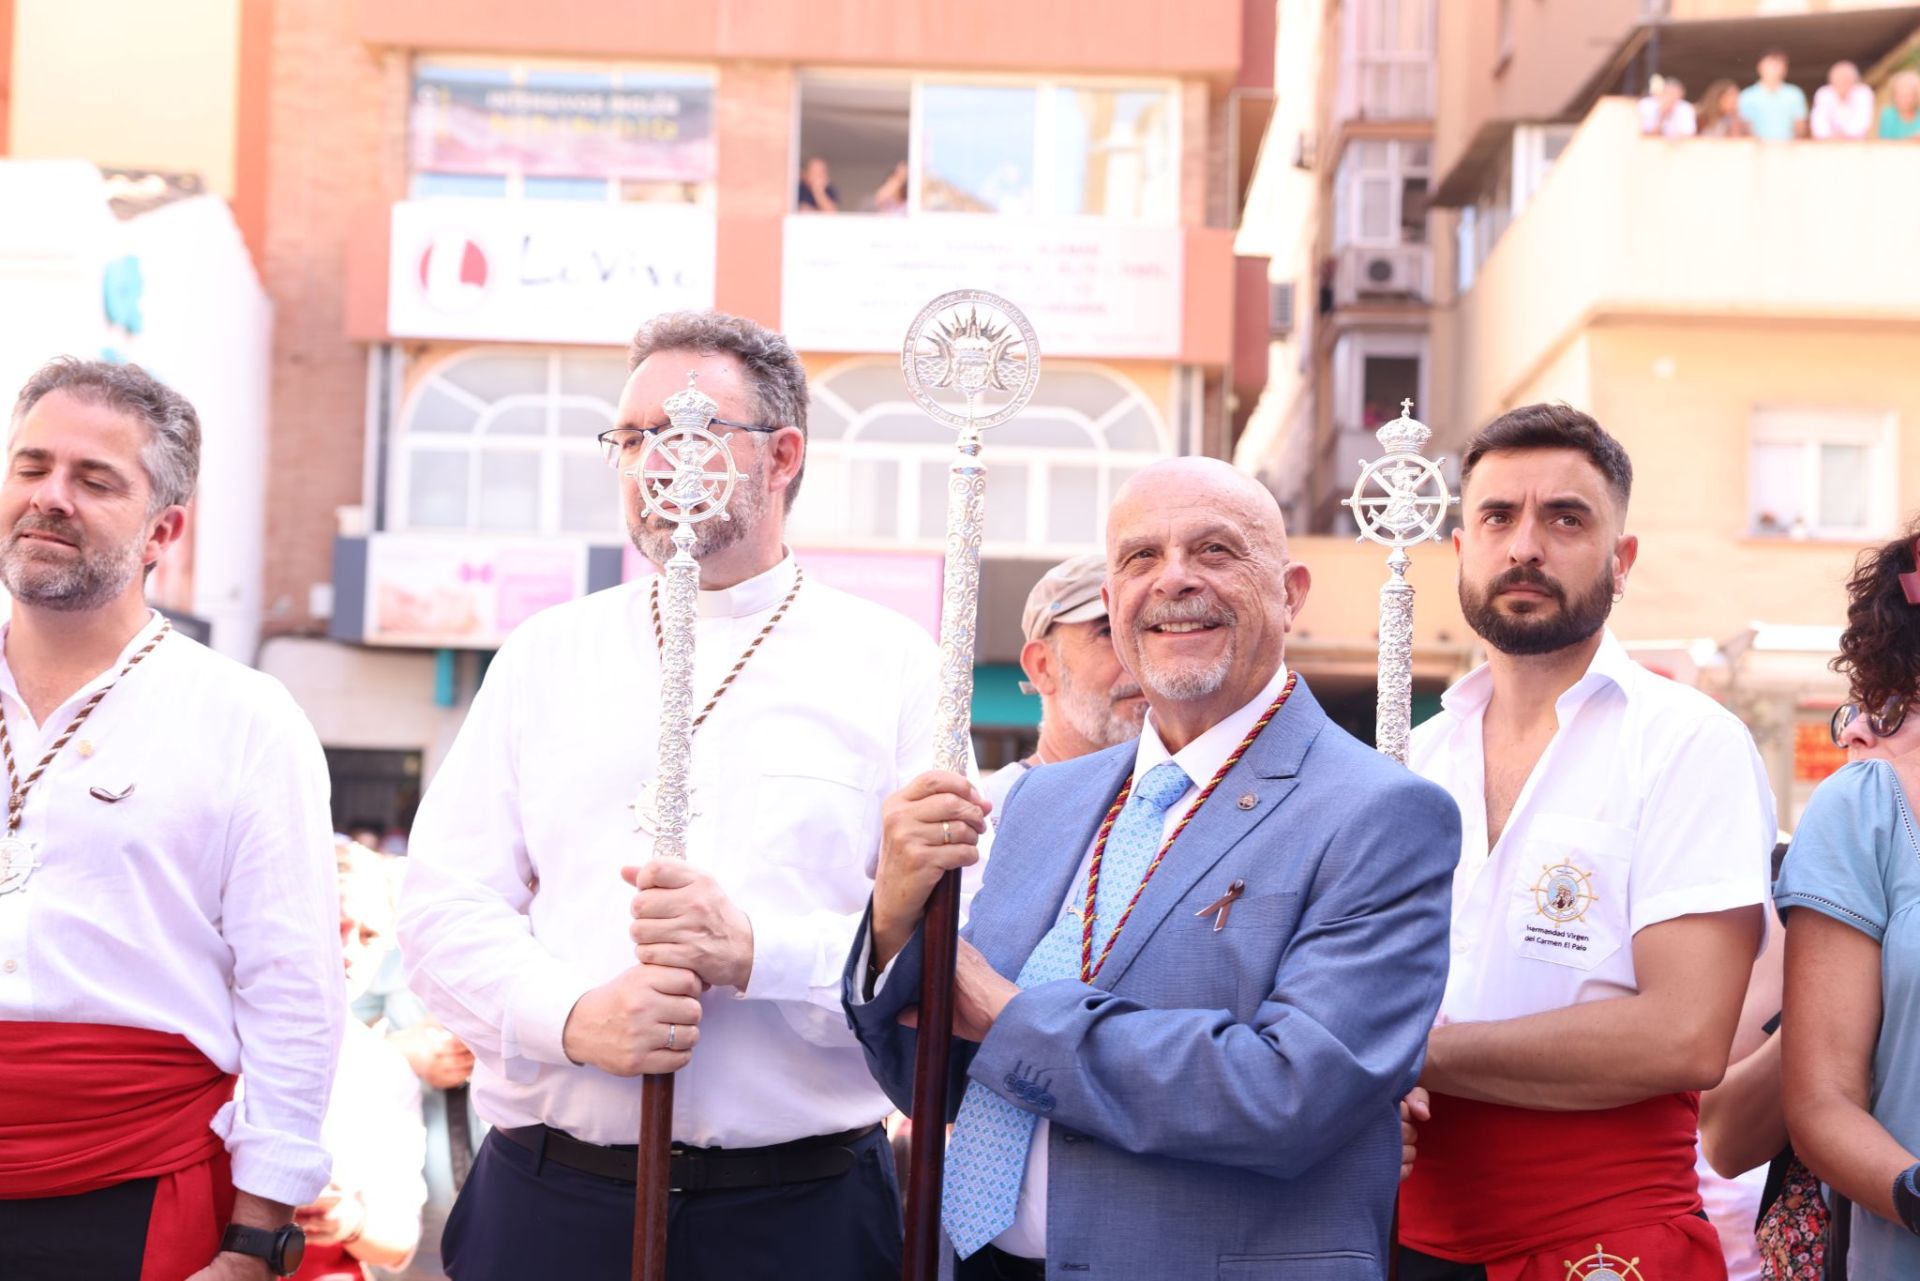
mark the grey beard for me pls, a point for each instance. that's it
(88, 581)
(1180, 686)
(1094, 717)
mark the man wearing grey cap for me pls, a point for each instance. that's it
(1087, 700)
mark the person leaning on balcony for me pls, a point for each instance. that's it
(1718, 115)
(817, 193)
(1900, 118)
(1851, 887)
(1775, 110)
(1842, 107)
(1665, 110)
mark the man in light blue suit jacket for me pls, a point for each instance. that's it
(1219, 1100)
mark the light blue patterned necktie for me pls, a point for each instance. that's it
(987, 1155)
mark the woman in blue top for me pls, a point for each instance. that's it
(1851, 1049)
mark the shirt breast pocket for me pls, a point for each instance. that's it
(1569, 898)
(811, 814)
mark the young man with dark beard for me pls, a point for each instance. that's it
(1607, 905)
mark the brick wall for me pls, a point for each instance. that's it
(336, 139)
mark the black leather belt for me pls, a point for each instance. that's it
(699, 1169)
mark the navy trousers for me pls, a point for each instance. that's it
(100, 1236)
(520, 1219)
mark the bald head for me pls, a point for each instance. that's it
(1200, 590)
(1199, 483)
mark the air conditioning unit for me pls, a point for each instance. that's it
(1279, 309)
(1392, 272)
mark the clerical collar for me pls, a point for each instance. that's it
(754, 596)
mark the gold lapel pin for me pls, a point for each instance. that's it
(1222, 905)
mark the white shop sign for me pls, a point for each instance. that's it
(853, 282)
(543, 270)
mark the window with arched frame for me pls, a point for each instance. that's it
(502, 441)
(877, 466)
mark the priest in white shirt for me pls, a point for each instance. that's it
(521, 935)
(1607, 906)
(167, 908)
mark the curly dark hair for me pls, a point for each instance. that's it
(1880, 648)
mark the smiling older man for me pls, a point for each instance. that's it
(1201, 966)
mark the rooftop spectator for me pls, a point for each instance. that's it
(1842, 107)
(1718, 115)
(1775, 110)
(1900, 118)
(1666, 111)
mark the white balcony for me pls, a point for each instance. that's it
(1094, 288)
(1626, 225)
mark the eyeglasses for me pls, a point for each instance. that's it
(1884, 723)
(622, 446)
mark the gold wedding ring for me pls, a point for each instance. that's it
(946, 833)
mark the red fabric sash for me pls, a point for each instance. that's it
(84, 1106)
(329, 1263)
(1515, 1186)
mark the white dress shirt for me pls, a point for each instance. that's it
(374, 1126)
(1200, 760)
(202, 903)
(1649, 803)
(834, 712)
(1836, 117)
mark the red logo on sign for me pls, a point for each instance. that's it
(453, 272)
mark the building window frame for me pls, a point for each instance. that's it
(549, 450)
(830, 458)
(1810, 431)
(1361, 185)
(1374, 57)
(1044, 158)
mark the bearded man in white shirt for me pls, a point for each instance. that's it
(520, 936)
(1607, 906)
(167, 909)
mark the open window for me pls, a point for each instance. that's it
(938, 144)
(860, 129)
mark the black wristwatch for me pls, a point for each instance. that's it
(1906, 1198)
(282, 1247)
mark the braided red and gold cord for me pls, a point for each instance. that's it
(1089, 966)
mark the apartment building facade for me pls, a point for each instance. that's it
(1735, 311)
